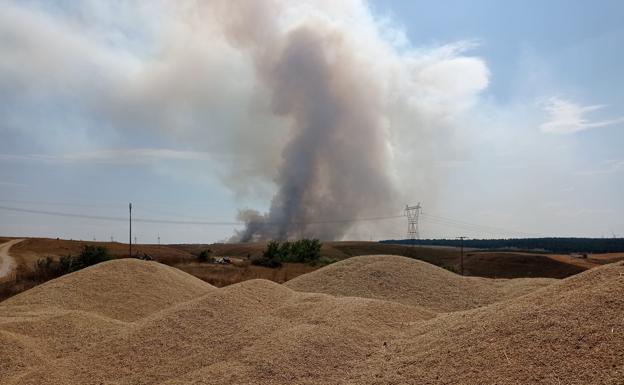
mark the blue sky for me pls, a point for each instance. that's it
(519, 131)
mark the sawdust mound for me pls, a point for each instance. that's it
(411, 282)
(260, 328)
(571, 332)
(122, 289)
(259, 332)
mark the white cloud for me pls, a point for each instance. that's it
(566, 117)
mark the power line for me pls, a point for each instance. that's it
(473, 229)
(44, 203)
(114, 219)
(472, 226)
(178, 222)
(430, 218)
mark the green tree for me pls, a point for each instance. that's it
(204, 256)
(91, 255)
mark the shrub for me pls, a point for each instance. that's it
(204, 256)
(266, 262)
(301, 251)
(272, 256)
(306, 250)
(64, 265)
(324, 261)
(89, 256)
(273, 250)
(44, 264)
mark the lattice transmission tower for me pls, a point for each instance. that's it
(413, 213)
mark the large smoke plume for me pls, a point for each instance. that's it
(321, 100)
(335, 162)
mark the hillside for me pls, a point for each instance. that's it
(259, 332)
(516, 265)
(27, 252)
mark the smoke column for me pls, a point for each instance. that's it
(323, 104)
(335, 161)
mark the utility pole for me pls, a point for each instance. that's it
(412, 213)
(461, 261)
(130, 237)
(158, 239)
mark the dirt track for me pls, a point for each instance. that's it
(6, 261)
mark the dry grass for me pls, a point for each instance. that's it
(224, 275)
(19, 280)
(30, 250)
(132, 322)
(518, 265)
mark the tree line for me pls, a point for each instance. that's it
(552, 245)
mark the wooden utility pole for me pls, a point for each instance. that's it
(461, 260)
(130, 237)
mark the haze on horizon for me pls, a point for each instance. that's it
(508, 118)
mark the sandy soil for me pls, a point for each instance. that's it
(135, 322)
(7, 264)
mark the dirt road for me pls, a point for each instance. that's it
(6, 262)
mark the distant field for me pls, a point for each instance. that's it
(184, 256)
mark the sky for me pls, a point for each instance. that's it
(504, 119)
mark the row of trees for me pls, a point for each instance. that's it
(554, 245)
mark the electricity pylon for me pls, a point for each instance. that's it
(413, 213)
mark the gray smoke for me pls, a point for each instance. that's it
(321, 103)
(334, 165)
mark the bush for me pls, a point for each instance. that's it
(272, 256)
(204, 256)
(301, 251)
(90, 255)
(266, 262)
(306, 251)
(44, 264)
(64, 265)
(324, 261)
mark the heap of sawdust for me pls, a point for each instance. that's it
(411, 282)
(121, 289)
(259, 332)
